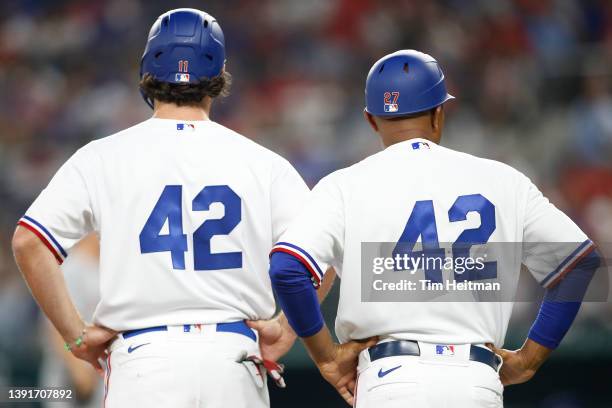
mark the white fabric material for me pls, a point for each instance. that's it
(428, 381)
(112, 186)
(372, 201)
(183, 370)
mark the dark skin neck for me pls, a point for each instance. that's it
(391, 131)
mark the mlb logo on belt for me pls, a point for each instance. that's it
(445, 350)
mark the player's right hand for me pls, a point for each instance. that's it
(341, 369)
(95, 343)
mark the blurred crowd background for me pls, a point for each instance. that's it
(532, 80)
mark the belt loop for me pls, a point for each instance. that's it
(500, 362)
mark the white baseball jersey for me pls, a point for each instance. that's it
(421, 192)
(187, 213)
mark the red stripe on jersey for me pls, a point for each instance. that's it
(43, 239)
(569, 268)
(302, 260)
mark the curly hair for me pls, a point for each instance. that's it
(186, 94)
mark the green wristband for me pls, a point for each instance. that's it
(78, 342)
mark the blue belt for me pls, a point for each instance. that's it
(239, 327)
(411, 348)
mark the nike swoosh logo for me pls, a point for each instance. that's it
(132, 348)
(382, 373)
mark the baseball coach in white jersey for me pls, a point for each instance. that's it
(187, 212)
(417, 195)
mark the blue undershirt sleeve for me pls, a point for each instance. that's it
(296, 294)
(562, 302)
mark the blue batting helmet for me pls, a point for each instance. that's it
(184, 45)
(403, 83)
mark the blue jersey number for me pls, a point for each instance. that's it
(203, 259)
(422, 223)
(473, 236)
(169, 209)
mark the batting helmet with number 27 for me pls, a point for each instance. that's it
(404, 83)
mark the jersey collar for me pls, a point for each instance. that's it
(413, 144)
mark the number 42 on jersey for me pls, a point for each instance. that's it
(169, 209)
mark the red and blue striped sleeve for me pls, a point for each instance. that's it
(62, 214)
(45, 236)
(304, 257)
(291, 281)
(566, 290)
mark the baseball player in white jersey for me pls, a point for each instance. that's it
(418, 194)
(187, 212)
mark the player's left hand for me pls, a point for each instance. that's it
(276, 337)
(520, 365)
(514, 369)
(93, 348)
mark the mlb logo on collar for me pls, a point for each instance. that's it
(185, 126)
(418, 145)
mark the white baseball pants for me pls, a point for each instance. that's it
(430, 380)
(180, 369)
